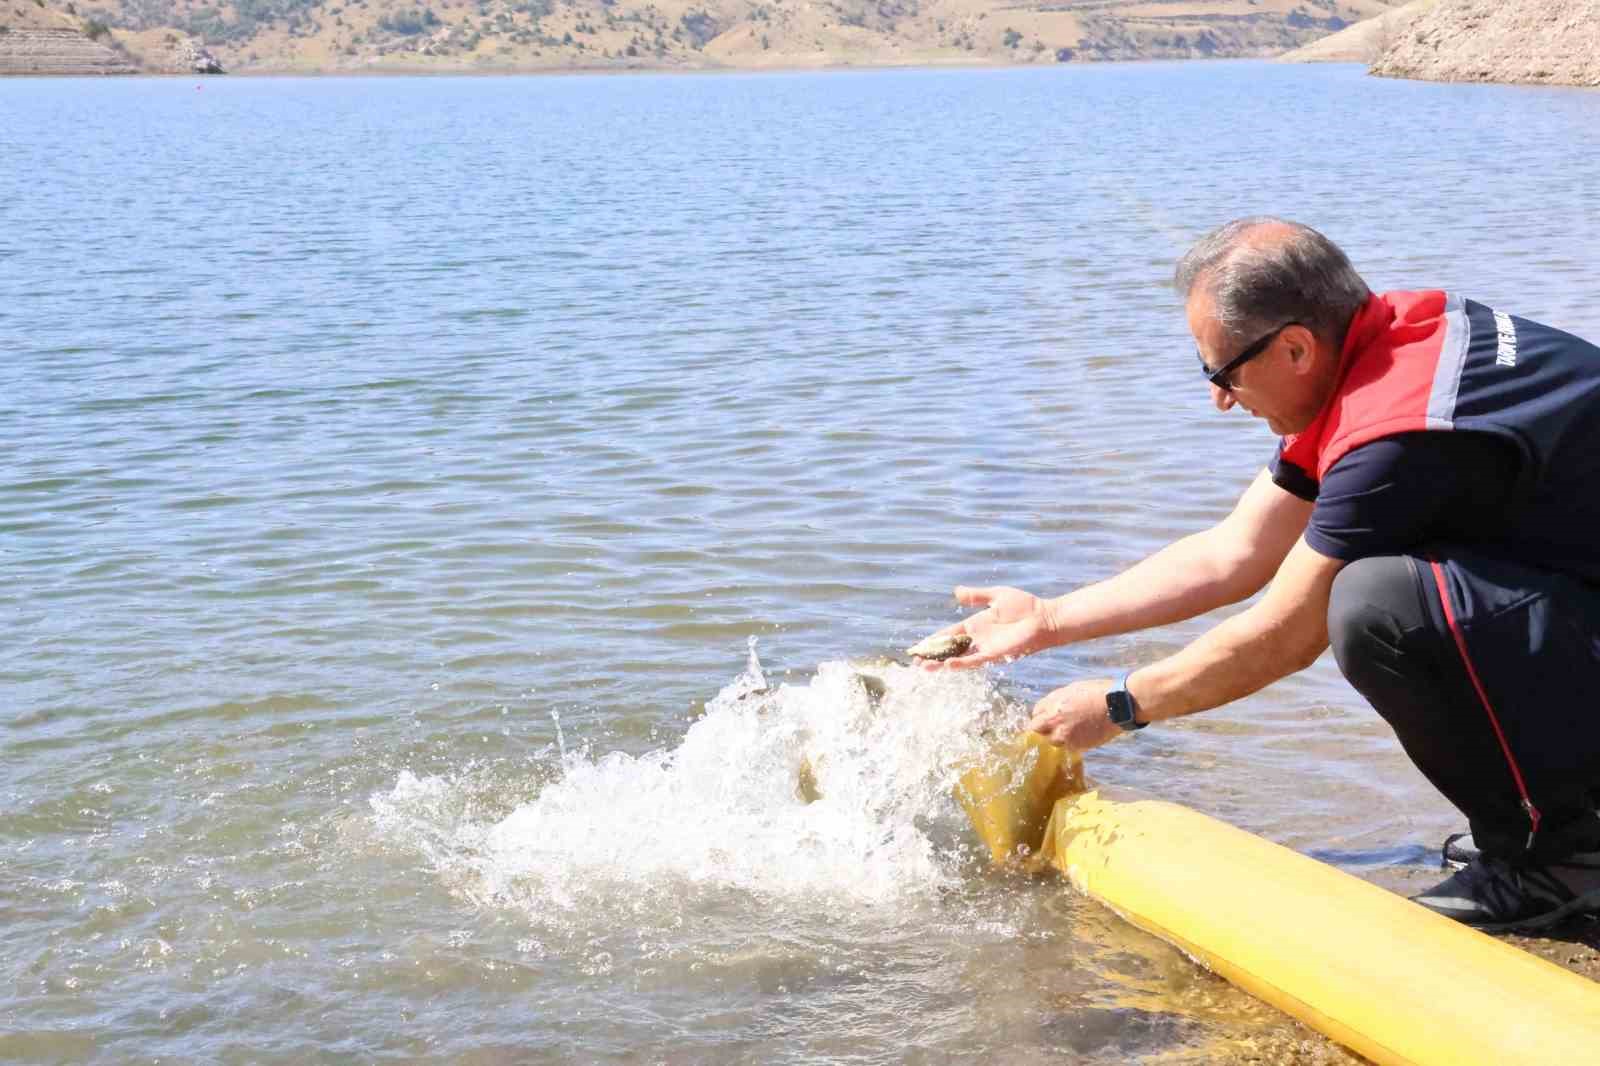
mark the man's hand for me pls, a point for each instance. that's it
(1075, 717)
(1014, 624)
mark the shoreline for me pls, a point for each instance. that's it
(381, 72)
(601, 71)
(490, 37)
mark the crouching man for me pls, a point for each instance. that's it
(1432, 511)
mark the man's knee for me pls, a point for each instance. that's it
(1373, 604)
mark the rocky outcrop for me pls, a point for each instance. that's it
(1555, 42)
(194, 59)
(59, 51)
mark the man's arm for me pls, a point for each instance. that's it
(1282, 633)
(1227, 563)
(1224, 564)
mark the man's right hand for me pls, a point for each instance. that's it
(1013, 624)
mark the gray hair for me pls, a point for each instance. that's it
(1264, 272)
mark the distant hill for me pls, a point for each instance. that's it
(441, 36)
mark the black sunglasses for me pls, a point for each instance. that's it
(1219, 377)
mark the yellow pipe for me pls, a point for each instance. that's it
(1009, 795)
(1379, 974)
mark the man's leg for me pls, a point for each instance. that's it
(1529, 638)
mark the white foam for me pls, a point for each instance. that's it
(723, 811)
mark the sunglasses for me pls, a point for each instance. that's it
(1219, 377)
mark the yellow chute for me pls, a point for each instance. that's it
(1377, 973)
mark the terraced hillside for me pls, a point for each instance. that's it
(39, 39)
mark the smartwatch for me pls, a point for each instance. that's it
(1121, 708)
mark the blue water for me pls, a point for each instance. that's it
(382, 457)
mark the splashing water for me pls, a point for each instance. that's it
(723, 811)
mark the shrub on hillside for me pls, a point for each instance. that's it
(409, 23)
(700, 26)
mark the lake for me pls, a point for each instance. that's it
(396, 471)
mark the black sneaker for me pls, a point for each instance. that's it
(1492, 895)
(1459, 850)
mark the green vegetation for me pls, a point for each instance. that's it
(218, 21)
(700, 27)
(409, 23)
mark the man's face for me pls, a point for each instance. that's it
(1266, 386)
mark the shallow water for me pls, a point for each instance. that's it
(397, 470)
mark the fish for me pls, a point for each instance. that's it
(1007, 793)
(941, 646)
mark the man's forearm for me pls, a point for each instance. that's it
(1245, 653)
(1184, 579)
(1280, 634)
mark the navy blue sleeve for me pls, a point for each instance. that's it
(1399, 493)
(1291, 478)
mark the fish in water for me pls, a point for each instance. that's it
(941, 646)
(1007, 794)
(876, 688)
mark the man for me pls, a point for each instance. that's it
(1433, 507)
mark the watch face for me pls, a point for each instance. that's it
(1119, 706)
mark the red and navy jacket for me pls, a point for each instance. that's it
(1432, 361)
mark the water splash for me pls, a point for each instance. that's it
(723, 811)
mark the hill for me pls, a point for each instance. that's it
(447, 36)
(38, 39)
(1362, 42)
(1532, 41)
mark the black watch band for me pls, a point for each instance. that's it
(1121, 707)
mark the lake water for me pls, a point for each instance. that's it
(395, 471)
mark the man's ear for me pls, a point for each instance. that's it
(1302, 347)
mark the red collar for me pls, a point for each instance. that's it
(1368, 324)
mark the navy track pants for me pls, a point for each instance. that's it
(1489, 673)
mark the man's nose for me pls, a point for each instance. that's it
(1222, 398)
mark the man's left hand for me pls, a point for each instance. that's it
(1075, 716)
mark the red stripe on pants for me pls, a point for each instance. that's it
(1483, 696)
